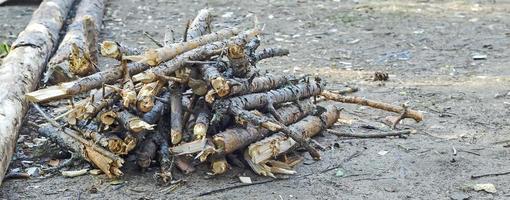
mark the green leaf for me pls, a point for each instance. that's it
(4, 49)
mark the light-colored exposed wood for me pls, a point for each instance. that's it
(20, 71)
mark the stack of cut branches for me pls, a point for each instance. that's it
(197, 100)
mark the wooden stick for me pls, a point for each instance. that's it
(240, 86)
(21, 69)
(416, 115)
(489, 174)
(201, 53)
(176, 115)
(154, 57)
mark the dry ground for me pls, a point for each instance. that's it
(425, 46)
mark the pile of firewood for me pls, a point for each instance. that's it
(201, 98)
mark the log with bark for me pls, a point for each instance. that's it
(77, 53)
(21, 69)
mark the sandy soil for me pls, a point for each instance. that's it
(427, 47)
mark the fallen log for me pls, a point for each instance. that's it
(260, 152)
(77, 53)
(21, 69)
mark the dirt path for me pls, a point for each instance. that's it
(427, 48)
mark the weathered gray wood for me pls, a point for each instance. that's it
(21, 69)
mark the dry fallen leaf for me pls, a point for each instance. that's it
(488, 187)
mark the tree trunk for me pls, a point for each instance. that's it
(21, 69)
(77, 53)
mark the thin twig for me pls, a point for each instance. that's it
(376, 135)
(200, 62)
(237, 186)
(146, 34)
(489, 174)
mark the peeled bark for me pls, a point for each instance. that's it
(233, 139)
(416, 115)
(201, 25)
(260, 152)
(219, 164)
(132, 122)
(145, 98)
(20, 70)
(77, 53)
(154, 57)
(110, 141)
(115, 50)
